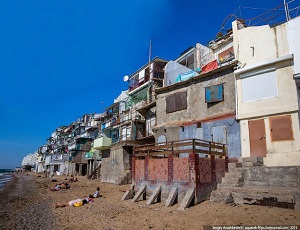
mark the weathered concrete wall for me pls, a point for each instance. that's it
(197, 109)
(114, 165)
(201, 119)
(273, 176)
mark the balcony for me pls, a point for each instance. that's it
(91, 155)
(102, 143)
(135, 83)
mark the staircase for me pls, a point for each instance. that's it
(94, 174)
(250, 182)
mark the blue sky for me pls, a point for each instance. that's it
(59, 59)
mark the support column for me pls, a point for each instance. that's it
(213, 170)
(170, 168)
(133, 170)
(194, 170)
(80, 170)
(226, 163)
(146, 168)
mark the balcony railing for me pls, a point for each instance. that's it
(92, 155)
(110, 123)
(135, 83)
(181, 147)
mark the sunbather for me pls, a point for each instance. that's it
(72, 203)
(59, 186)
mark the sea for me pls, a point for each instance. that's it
(5, 176)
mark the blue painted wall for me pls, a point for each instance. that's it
(205, 133)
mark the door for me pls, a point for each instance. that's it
(257, 135)
(219, 134)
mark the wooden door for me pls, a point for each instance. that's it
(257, 135)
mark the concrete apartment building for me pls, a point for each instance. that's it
(267, 85)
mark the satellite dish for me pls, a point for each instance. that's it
(125, 78)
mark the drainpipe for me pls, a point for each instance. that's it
(236, 97)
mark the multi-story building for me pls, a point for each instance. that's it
(268, 91)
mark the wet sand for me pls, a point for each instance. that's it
(28, 204)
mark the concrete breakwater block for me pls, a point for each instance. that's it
(155, 195)
(142, 191)
(189, 197)
(128, 195)
(173, 197)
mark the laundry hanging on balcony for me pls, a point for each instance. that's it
(210, 66)
(185, 76)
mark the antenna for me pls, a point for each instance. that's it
(286, 9)
(150, 47)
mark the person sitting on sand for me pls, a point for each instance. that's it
(59, 186)
(72, 203)
(72, 179)
(89, 198)
(97, 192)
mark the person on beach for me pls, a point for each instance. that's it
(97, 192)
(72, 179)
(89, 198)
(59, 186)
(72, 203)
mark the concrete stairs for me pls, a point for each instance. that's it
(250, 182)
(233, 178)
(94, 175)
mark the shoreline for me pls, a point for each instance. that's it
(28, 204)
(23, 207)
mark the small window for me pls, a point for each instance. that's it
(176, 102)
(214, 93)
(281, 128)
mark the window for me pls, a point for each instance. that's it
(214, 93)
(176, 102)
(259, 85)
(281, 128)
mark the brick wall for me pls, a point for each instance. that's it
(139, 169)
(188, 172)
(158, 169)
(181, 169)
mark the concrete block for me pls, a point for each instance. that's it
(258, 160)
(142, 191)
(237, 174)
(173, 195)
(233, 181)
(128, 195)
(221, 196)
(155, 195)
(188, 198)
(233, 166)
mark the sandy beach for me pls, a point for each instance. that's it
(27, 203)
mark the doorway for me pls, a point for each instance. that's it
(257, 135)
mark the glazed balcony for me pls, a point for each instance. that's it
(102, 143)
